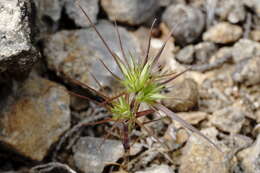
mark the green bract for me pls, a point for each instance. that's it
(121, 109)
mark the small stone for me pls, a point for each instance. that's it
(76, 54)
(255, 35)
(91, 156)
(223, 33)
(253, 5)
(133, 12)
(17, 54)
(258, 116)
(48, 15)
(250, 157)
(157, 169)
(186, 55)
(49, 8)
(228, 119)
(183, 96)
(34, 118)
(201, 157)
(74, 13)
(237, 14)
(248, 72)
(182, 136)
(245, 49)
(191, 117)
(182, 19)
(231, 10)
(203, 51)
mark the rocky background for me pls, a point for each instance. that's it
(43, 42)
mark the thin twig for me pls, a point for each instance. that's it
(75, 129)
(45, 168)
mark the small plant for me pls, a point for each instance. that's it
(141, 86)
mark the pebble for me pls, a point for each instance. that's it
(248, 72)
(228, 119)
(132, 12)
(203, 51)
(201, 157)
(255, 35)
(250, 157)
(245, 49)
(75, 13)
(223, 33)
(182, 19)
(186, 55)
(91, 156)
(183, 96)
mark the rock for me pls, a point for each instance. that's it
(76, 52)
(245, 49)
(183, 96)
(165, 3)
(223, 33)
(250, 157)
(74, 12)
(182, 19)
(34, 117)
(17, 54)
(254, 5)
(231, 10)
(191, 117)
(201, 157)
(133, 12)
(248, 72)
(255, 35)
(48, 14)
(50, 9)
(228, 119)
(186, 55)
(91, 157)
(157, 169)
(203, 51)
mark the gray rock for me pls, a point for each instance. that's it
(34, 117)
(183, 96)
(203, 51)
(229, 119)
(248, 72)
(17, 53)
(231, 10)
(91, 156)
(250, 157)
(74, 12)
(254, 5)
(49, 8)
(133, 12)
(157, 169)
(245, 49)
(48, 14)
(223, 33)
(255, 35)
(186, 55)
(201, 157)
(75, 53)
(182, 19)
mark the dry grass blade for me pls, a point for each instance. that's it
(183, 122)
(149, 44)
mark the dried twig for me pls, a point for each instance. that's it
(48, 167)
(74, 129)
